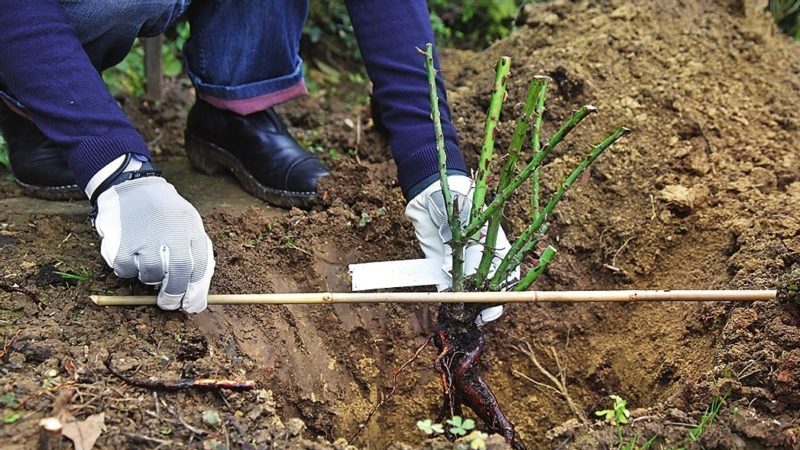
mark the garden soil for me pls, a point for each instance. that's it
(704, 193)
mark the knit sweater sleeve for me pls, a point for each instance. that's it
(389, 33)
(48, 77)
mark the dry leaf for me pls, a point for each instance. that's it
(85, 433)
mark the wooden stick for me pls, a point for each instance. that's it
(462, 297)
(50, 434)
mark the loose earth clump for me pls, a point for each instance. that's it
(703, 194)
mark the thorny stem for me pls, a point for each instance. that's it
(477, 222)
(492, 118)
(453, 216)
(536, 147)
(533, 274)
(514, 149)
(517, 260)
(503, 268)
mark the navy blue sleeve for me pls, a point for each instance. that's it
(47, 73)
(389, 33)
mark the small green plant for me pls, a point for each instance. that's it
(618, 416)
(70, 274)
(11, 417)
(364, 220)
(707, 421)
(4, 161)
(9, 399)
(459, 426)
(476, 440)
(787, 15)
(428, 427)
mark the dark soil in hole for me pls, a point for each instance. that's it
(704, 193)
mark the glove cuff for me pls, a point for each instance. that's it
(430, 180)
(125, 168)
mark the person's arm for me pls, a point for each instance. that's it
(147, 229)
(389, 33)
(45, 69)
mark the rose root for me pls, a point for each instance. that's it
(461, 345)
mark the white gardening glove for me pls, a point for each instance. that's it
(149, 231)
(427, 213)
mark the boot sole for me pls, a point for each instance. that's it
(57, 193)
(210, 159)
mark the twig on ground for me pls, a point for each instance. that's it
(143, 439)
(7, 344)
(559, 381)
(16, 288)
(181, 383)
(619, 250)
(195, 430)
(385, 399)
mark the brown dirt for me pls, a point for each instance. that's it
(704, 193)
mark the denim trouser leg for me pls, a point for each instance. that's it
(107, 28)
(243, 55)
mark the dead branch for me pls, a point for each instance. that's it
(203, 384)
(385, 399)
(558, 383)
(50, 434)
(16, 288)
(7, 344)
(195, 430)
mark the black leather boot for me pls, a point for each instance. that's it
(38, 165)
(258, 149)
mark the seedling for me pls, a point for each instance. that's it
(9, 399)
(618, 416)
(707, 421)
(459, 426)
(428, 427)
(619, 413)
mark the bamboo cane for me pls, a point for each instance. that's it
(463, 297)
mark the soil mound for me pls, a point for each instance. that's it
(704, 193)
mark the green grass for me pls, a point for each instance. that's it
(128, 76)
(4, 154)
(787, 16)
(707, 421)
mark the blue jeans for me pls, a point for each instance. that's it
(238, 49)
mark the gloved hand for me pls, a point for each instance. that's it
(428, 214)
(149, 231)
